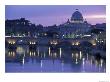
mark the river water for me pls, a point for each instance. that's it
(43, 59)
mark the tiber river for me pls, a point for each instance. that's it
(43, 59)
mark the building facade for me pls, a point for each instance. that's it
(74, 27)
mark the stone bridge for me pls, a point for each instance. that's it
(44, 40)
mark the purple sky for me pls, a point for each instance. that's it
(55, 14)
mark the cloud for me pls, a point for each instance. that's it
(95, 17)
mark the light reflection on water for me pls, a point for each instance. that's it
(43, 59)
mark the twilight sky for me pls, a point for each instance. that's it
(55, 14)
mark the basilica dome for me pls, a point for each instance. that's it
(77, 16)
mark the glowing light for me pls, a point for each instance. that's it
(30, 53)
(49, 51)
(24, 54)
(44, 54)
(76, 61)
(77, 43)
(13, 42)
(73, 43)
(91, 62)
(72, 55)
(41, 64)
(76, 55)
(94, 44)
(20, 50)
(34, 43)
(7, 36)
(83, 61)
(34, 53)
(23, 34)
(60, 52)
(9, 42)
(21, 40)
(80, 54)
(23, 61)
(96, 62)
(55, 54)
(45, 34)
(18, 34)
(8, 53)
(101, 62)
(38, 52)
(13, 54)
(54, 42)
(77, 35)
(87, 35)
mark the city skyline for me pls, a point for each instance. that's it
(73, 46)
(49, 15)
